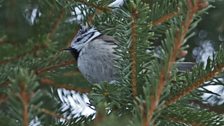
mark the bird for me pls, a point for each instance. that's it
(94, 53)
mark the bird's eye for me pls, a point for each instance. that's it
(78, 39)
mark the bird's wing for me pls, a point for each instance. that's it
(108, 38)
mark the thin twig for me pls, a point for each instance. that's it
(179, 37)
(46, 81)
(49, 68)
(132, 51)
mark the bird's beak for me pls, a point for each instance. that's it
(69, 48)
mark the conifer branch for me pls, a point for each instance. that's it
(49, 68)
(3, 41)
(165, 18)
(218, 69)
(13, 59)
(46, 81)
(57, 23)
(42, 70)
(48, 112)
(132, 51)
(5, 83)
(24, 98)
(104, 9)
(211, 108)
(3, 98)
(100, 117)
(179, 38)
(182, 121)
(32, 51)
(154, 100)
(37, 47)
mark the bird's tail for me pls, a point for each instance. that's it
(184, 66)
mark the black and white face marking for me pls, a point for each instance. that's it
(83, 37)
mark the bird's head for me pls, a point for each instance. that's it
(83, 37)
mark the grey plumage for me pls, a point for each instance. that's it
(96, 61)
(95, 56)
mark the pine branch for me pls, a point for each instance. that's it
(24, 98)
(5, 83)
(43, 70)
(104, 9)
(49, 68)
(179, 38)
(37, 47)
(100, 117)
(52, 114)
(57, 23)
(191, 115)
(32, 51)
(13, 58)
(155, 99)
(46, 81)
(3, 98)
(211, 108)
(165, 18)
(218, 69)
(132, 51)
(3, 41)
(182, 121)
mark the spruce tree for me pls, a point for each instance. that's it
(152, 37)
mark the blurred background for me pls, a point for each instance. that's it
(41, 29)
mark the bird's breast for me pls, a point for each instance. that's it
(96, 62)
